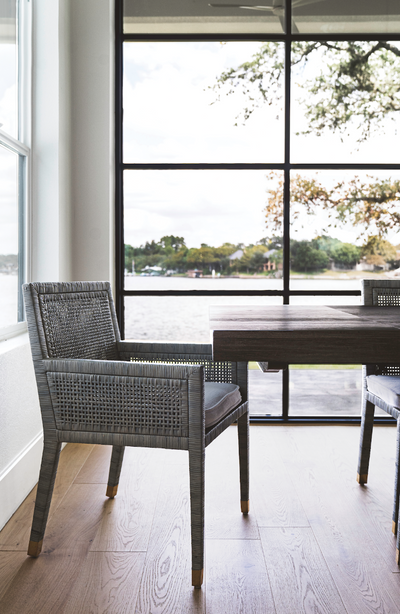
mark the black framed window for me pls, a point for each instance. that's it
(256, 163)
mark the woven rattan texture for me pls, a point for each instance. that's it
(386, 297)
(119, 404)
(213, 371)
(78, 325)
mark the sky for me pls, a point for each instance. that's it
(171, 114)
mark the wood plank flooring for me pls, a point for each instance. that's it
(314, 541)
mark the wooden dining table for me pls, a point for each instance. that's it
(302, 334)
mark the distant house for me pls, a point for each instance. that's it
(269, 265)
(195, 273)
(372, 263)
(235, 256)
(151, 270)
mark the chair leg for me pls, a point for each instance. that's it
(117, 457)
(243, 436)
(395, 517)
(367, 423)
(196, 475)
(47, 476)
(398, 546)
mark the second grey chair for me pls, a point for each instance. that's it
(381, 388)
(94, 388)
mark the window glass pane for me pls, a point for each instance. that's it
(8, 237)
(325, 390)
(179, 318)
(345, 104)
(346, 16)
(201, 230)
(265, 392)
(344, 227)
(199, 17)
(180, 104)
(8, 72)
(186, 319)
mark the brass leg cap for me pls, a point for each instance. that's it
(35, 548)
(363, 478)
(197, 577)
(111, 491)
(394, 527)
(245, 507)
(397, 556)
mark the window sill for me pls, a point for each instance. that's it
(10, 332)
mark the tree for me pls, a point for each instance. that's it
(306, 258)
(373, 203)
(346, 255)
(378, 251)
(129, 257)
(358, 83)
(201, 257)
(253, 258)
(172, 242)
(353, 86)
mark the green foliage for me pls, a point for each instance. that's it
(260, 80)
(346, 255)
(171, 254)
(357, 85)
(253, 259)
(376, 246)
(201, 258)
(170, 242)
(305, 257)
(373, 203)
(326, 243)
(168, 253)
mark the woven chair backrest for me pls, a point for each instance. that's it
(382, 293)
(76, 320)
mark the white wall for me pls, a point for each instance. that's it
(20, 426)
(72, 196)
(92, 138)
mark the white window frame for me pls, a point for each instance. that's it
(21, 147)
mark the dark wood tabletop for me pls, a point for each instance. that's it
(300, 334)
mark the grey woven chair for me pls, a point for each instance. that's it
(96, 389)
(381, 388)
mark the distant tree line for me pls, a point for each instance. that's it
(171, 255)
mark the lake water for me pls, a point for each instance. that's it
(175, 318)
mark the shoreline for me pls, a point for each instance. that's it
(334, 275)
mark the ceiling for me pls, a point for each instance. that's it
(309, 16)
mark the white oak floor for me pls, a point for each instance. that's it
(314, 541)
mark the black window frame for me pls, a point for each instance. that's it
(286, 166)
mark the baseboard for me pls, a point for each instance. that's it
(19, 477)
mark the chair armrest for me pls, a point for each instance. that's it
(159, 351)
(126, 398)
(184, 353)
(121, 368)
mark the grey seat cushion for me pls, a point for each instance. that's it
(219, 400)
(386, 387)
